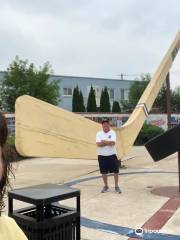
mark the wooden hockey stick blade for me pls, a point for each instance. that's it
(46, 130)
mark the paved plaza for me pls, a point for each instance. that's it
(112, 216)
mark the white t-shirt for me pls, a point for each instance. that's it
(109, 136)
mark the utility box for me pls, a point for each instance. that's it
(46, 219)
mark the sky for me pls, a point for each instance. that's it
(92, 38)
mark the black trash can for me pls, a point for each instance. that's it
(46, 219)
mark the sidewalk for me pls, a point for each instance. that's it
(129, 210)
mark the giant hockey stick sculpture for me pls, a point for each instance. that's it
(46, 130)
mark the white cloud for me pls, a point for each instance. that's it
(90, 37)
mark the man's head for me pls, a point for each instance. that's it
(105, 125)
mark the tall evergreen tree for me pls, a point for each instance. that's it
(104, 101)
(75, 100)
(116, 108)
(91, 103)
(81, 102)
(78, 100)
(101, 100)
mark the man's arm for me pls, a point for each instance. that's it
(110, 143)
(113, 139)
(104, 143)
(101, 144)
(99, 141)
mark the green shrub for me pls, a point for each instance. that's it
(11, 141)
(148, 132)
(116, 108)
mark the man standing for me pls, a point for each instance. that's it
(107, 155)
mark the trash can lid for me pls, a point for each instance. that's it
(44, 193)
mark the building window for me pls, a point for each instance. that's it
(122, 94)
(111, 93)
(67, 91)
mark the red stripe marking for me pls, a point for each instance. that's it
(159, 219)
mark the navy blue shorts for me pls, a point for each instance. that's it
(108, 164)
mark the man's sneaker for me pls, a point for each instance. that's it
(104, 189)
(118, 190)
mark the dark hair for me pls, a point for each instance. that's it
(105, 120)
(4, 181)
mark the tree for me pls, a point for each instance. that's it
(81, 102)
(24, 78)
(176, 100)
(91, 103)
(148, 132)
(104, 101)
(137, 88)
(126, 107)
(101, 100)
(75, 100)
(1, 107)
(78, 101)
(116, 108)
(161, 100)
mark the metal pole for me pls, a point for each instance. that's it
(168, 101)
(78, 227)
(179, 167)
(10, 206)
(40, 215)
